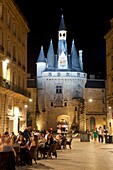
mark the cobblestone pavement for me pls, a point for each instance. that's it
(82, 156)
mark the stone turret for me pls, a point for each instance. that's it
(41, 63)
(74, 58)
(62, 46)
(50, 57)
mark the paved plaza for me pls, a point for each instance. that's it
(82, 156)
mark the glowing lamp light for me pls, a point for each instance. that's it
(6, 61)
(90, 100)
(30, 100)
(26, 106)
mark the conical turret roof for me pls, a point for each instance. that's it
(74, 58)
(50, 56)
(41, 57)
(62, 24)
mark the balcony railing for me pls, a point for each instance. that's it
(14, 58)
(23, 67)
(11, 86)
(8, 54)
(1, 48)
(19, 63)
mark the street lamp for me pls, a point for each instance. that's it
(26, 106)
(30, 100)
(90, 100)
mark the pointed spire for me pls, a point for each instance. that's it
(41, 57)
(74, 58)
(80, 59)
(50, 56)
(62, 24)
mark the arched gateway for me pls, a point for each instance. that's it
(63, 124)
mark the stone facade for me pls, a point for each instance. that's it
(62, 93)
(95, 108)
(13, 67)
(109, 77)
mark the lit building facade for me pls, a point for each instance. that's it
(61, 89)
(13, 68)
(109, 77)
(95, 104)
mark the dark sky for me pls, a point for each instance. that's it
(86, 22)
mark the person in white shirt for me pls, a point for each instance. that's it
(100, 134)
(46, 135)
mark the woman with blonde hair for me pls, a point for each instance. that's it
(7, 147)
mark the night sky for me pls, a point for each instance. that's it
(86, 22)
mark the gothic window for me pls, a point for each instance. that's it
(92, 123)
(78, 74)
(109, 124)
(59, 89)
(78, 91)
(49, 74)
(67, 74)
(63, 34)
(77, 94)
(52, 104)
(58, 74)
(65, 104)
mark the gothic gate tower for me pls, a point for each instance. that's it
(60, 86)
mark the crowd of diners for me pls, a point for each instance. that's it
(28, 138)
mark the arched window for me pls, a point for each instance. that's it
(92, 123)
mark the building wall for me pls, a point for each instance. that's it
(54, 106)
(13, 67)
(31, 112)
(78, 112)
(95, 107)
(109, 77)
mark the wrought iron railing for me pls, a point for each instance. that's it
(1, 48)
(13, 87)
(8, 54)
